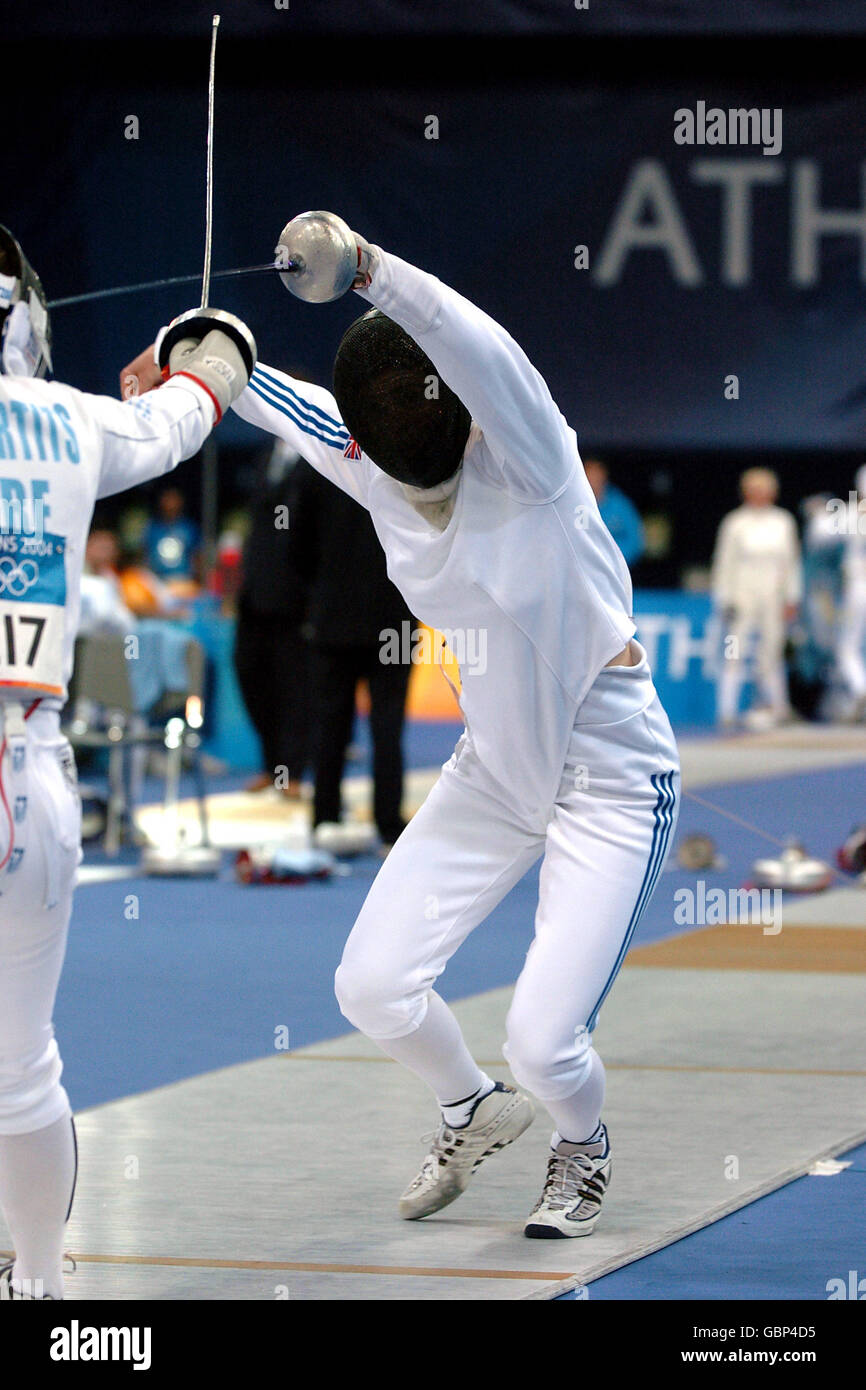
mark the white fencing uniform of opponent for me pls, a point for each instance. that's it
(563, 756)
(847, 530)
(60, 450)
(851, 650)
(756, 573)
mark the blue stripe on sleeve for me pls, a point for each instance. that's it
(302, 411)
(302, 424)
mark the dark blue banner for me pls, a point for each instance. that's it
(277, 18)
(685, 264)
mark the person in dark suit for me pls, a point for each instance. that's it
(350, 603)
(270, 654)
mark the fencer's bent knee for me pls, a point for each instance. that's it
(375, 1001)
(545, 1064)
(31, 1096)
(354, 991)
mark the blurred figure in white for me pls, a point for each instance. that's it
(815, 658)
(842, 527)
(851, 652)
(757, 587)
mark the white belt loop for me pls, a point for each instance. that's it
(13, 721)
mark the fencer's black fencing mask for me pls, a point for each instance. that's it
(396, 406)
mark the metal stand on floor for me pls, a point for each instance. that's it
(172, 856)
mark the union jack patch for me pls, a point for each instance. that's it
(352, 450)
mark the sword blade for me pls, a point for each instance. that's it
(159, 284)
(208, 217)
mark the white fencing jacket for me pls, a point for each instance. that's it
(756, 564)
(61, 450)
(524, 560)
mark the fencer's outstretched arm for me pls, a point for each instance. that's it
(145, 436)
(148, 436)
(505, 395)
(307, 418)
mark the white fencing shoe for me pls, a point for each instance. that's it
(577, 1179)
(499, 1118)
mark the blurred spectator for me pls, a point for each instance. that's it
(103, 610)
(619, 514)
(757, 584)
(852, 633)
(143, 592)
(351, 602)
(171, 540)
(226, 578)
(838, 536)
(823, 547)
(812, 656)
(114, 597)
(270, 654)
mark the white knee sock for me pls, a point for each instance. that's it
(458, 1114)
(437, 1054)
(37, 1175)
(576, 1118)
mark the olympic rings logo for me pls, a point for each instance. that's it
(15, 578)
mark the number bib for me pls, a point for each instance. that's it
(32, 612)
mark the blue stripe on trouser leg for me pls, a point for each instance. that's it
(663, 822)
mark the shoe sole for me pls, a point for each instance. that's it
(537, 1231)
(541, 1230)
(527, 1107)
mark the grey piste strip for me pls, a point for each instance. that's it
(303, 1164)
(801, 1170)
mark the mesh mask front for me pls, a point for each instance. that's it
(396, 406)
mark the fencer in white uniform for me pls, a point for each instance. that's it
(757, 587)
(442, 428)
(60, 450)
(842, 526)
(851, 650)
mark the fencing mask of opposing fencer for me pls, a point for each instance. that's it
(396, 406)
(25, 330)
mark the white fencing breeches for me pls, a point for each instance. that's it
(851, 647)
(761, 636)
(35, 904)
(604, 845)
